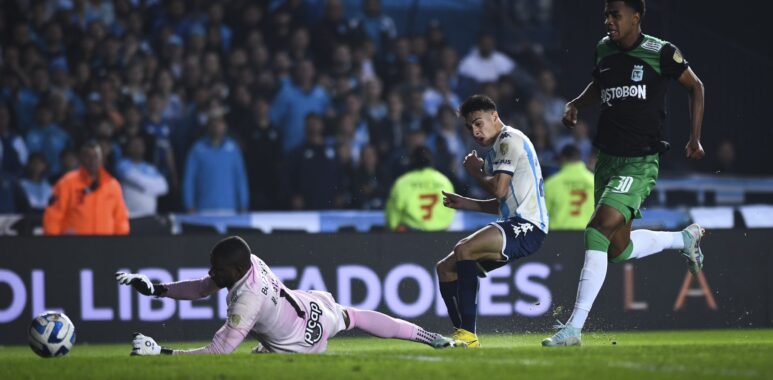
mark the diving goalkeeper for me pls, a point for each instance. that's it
(259, 304)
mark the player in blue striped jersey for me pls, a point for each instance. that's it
(511, 173)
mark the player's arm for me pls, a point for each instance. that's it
(241, 318)
(456, 201)
(589, 96)
(495, 185)
(695, 90)
(181, 290)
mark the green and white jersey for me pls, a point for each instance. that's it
(633, 87)
(513, 153)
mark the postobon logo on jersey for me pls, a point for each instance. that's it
(635, 91)
(313, 326)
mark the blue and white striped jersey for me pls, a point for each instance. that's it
(513, 153)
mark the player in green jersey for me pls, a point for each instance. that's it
(569, 193)
(629, 81)
(415, 199)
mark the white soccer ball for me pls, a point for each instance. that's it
(51, 334)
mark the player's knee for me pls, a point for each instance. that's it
(462, 250)
(605, 226)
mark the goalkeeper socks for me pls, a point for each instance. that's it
(468, 293)
(591, 277)
(646, 242)
(449, 291)
(384, 326)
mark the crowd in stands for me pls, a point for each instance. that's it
(229, 106)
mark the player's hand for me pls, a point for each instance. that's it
(473, 164)
(453, 200)
(570, 115)
(694, 150)
(144, 346)
(139, 282)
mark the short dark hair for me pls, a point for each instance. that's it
(233, 251)
(421, 157)
(569, 152)
(476, 103)
(636, 5)
(90, 144)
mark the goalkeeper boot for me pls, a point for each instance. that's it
(444, 342)
(466, 337)
(565, 336)
(692, 247)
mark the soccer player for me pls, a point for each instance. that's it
(259, 304)
(511, 173)
(414, 201)
(629, 81)
(568, 192)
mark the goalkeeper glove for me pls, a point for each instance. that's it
(145, 346)
(140, 283)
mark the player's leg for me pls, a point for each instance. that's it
(384, 326)
(643, 243)
(483, 245)
(458, 274)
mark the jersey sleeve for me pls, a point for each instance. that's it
(242, 315)
(672, 63)
(506, 156)
(190, 289)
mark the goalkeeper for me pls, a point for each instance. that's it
(259, 304)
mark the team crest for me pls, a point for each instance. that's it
(678, 57)
(638, 73)
(503, 148)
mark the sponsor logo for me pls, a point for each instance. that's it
(652, 45)
(313, 326)
(638, 73)
(503, 162)
(634, 91)
(605, 69)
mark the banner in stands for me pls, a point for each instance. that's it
(392, 273)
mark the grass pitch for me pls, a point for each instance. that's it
(725, 354)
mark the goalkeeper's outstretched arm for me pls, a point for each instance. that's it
(181, 290)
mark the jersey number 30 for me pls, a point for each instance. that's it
(428, 202)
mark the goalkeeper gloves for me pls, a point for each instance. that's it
(140, 283)
(145, 346)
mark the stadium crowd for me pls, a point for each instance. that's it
(227, 106)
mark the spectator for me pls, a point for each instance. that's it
(264, 156)
(331, 31)
(376, 26)
(28, 98)
(215, 180)
(47, 138)
(416, 199)
(12, 196)
(569, 193)
(36, 187)
(554, 104)
(400, 159)
(578, 136)
(87, 201)
(314, 173)
(159, 129)
(484, 63)
(13, 150)
(369, 183)
(295, 100)
(142, 183)
(440, 94)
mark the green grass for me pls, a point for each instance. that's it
(725, 354)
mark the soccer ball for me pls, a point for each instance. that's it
(51, 334)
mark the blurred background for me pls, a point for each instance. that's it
(227, 107)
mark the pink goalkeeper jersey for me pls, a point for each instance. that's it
(283, 320)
